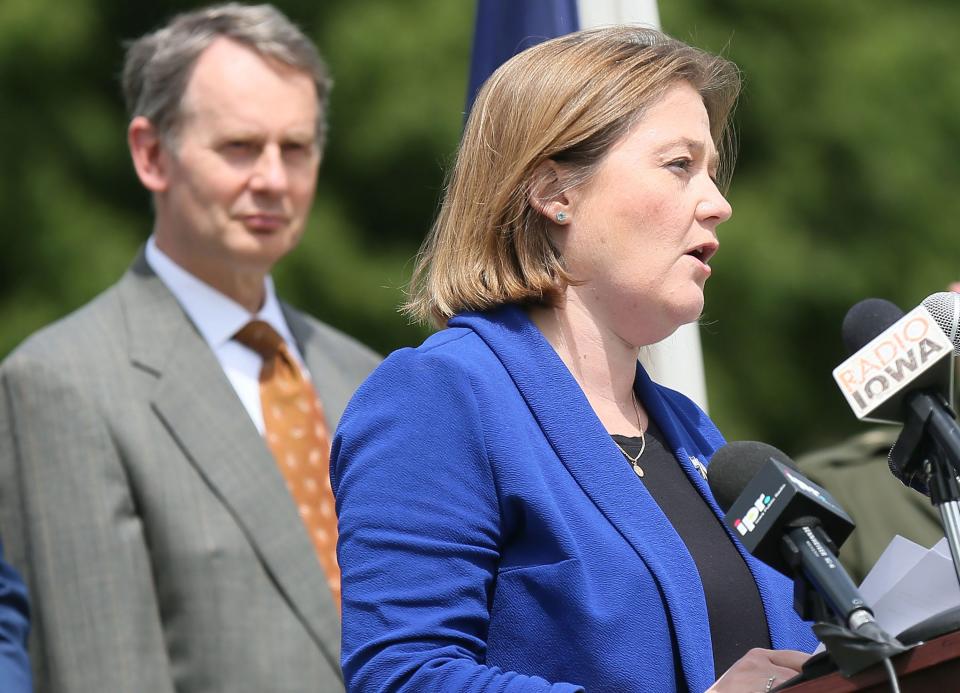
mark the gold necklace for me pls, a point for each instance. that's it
(635, 461)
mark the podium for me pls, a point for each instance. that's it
(932, 666)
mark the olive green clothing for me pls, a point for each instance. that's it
(855, 472)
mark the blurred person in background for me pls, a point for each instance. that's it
(521, 507)
(856, 473)
(166, 479)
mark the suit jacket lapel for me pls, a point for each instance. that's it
(586, 449)
(332, 363)
(326, 378)
(224, 445)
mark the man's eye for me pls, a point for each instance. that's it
(240, 147)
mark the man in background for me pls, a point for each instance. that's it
(856, 473)
(165, 481)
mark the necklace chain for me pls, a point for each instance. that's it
(635, 460)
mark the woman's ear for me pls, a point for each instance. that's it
(547, 194)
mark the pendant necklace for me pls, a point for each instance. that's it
(635, 460)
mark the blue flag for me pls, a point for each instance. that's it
(505, 27)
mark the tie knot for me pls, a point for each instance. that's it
(259, 336)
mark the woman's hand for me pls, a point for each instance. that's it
(760, 671)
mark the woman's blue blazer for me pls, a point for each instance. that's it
(493, 539)
(15, 674)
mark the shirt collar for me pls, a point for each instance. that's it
(216, 316)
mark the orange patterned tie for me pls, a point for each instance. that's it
(297, 435)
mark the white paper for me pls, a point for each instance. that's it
(910, 583)
(942, 547)
(900, 556)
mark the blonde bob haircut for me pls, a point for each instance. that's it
(568, 100)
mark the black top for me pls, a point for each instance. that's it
(737, 619)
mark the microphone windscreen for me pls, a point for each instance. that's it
(865, 320)
(944, 306)
(734, 465)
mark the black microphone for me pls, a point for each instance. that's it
(893, 357)
(866, 320)
(916, 387)
(901, 371)
(789, 523)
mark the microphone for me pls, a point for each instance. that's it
(867, 319)
(904, 374)
(895, 355)
(790, 523)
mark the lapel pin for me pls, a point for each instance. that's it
(699, 466)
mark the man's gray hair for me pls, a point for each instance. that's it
(158, 65)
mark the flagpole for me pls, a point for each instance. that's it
(599, 12)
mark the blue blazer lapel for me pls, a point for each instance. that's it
(698, 440)
(586, 449)
(692, 445)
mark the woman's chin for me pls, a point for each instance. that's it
(688, 310)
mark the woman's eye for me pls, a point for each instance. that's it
(683, 164)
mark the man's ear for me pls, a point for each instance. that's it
(546, 193)
(148, 153)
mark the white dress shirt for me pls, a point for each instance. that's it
(218, 318)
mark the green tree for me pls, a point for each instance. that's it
(845, 186)
(75, 214)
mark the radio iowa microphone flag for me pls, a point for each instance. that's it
(914, 353)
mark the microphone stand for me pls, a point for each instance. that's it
(926, 457)
(945, 495)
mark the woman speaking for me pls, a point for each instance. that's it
(521, 508)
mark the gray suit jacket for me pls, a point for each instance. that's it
(154, 530)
